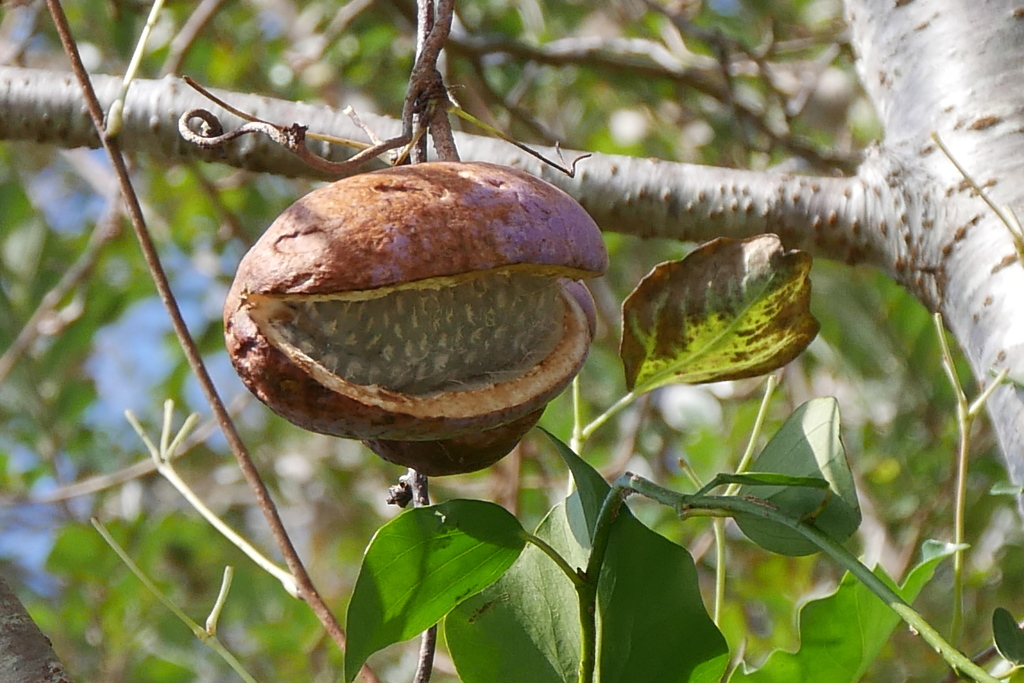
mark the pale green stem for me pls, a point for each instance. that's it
(576, 443)
(608, 414)
(965, 414)
(559, 561)
(209, 639)
(762, 413)
(222, 598)
(162, 460)
(690, 473)
(979, 403)
(587, 591)
(168, 426)
(113, 126)
(282, 575)
(719, 524)
(963, 423)
(731, 506)
(1006, 215)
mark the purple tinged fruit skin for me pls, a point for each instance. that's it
(403, 229)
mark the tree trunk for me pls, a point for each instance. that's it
(930, 66)
(953, 69)
(25, 653)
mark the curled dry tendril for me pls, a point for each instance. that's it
(210, 134)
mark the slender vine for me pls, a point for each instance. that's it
(307, 591)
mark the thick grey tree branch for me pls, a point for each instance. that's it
(952, 68)
(643, 197)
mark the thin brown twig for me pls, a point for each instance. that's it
(436, 36)
(441, 133)
(638, 59)
(313, 47)
(518, 112)
(306, 588)
(230, 226)
(412, 115)
(184, 39)
(425, 106)
(437, 120)
(223, 104)
(292, 138)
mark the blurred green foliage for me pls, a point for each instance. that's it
(106, 346)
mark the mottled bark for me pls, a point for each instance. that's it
(25, 653)
(643, 197)
(953, 68)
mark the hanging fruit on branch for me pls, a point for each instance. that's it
(431, 311)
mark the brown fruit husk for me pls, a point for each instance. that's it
(410, 227)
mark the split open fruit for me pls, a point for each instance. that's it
(431, 311)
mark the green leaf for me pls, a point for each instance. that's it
(842, 633)
(590, 485)
(79, 552)
(728, 310)
(652, 622)
(525, 627)
(1005, 488)
(932, 549)
(1008, 636)
(807, 445)
(422, 564)
(771, 479)
(1015, 377)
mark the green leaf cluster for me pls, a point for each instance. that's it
(524, 624)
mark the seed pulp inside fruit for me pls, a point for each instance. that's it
(436, 336)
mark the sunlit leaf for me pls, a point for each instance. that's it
(807, 445)
(525, 627)
(728, 310)
(591, 488)
(842, 634)
(79, 551)
(652, 625)
(1008, 636)
(1005, 488)
(421, 565)
(772, 479)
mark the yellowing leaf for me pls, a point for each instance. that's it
(730, 309)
